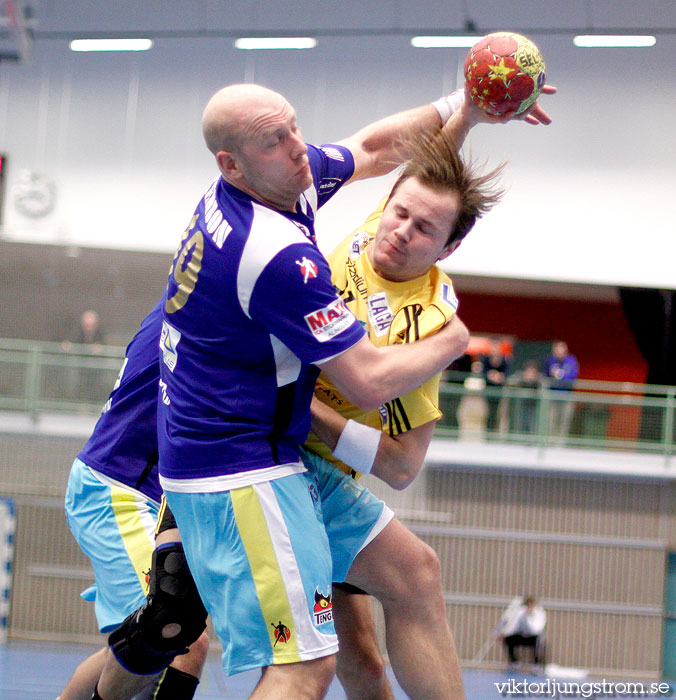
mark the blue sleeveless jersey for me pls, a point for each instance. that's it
(123, 444)
(249, 305)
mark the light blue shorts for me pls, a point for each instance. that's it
(115, 527)
(263, 559)
(260, 558)
(352, 515)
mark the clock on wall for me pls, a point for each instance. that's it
(34, 194)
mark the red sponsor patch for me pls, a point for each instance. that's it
(328, 322)
(323, 610)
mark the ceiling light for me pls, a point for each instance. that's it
(444, 42)
(298, 42)
(605, 40)
(111, 44)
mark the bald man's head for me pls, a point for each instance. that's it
(232, 112)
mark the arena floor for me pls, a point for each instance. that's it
(39, 670)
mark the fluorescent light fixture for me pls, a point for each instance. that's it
(298, 42)
(606, 40)
(111, 44)
(444, 42)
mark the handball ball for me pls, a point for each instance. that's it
(504, 72)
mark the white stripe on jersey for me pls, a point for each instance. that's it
(270, 233)
(307, 635)
(226, 482)
(286, 363)
(333, 153)
(311, 197)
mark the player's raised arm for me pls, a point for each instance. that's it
(380, 147)
(377, 147)
(504, 75)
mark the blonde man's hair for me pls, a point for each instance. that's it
(435, 162)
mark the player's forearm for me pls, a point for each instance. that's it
(327, 423)
(378, 147)
(394, 370)
(400, 458)
(461, 122)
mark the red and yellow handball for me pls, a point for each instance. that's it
(504, 72)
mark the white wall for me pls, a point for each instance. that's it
(591, 198)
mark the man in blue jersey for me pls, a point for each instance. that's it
(249, 312)
(249, 307)
(112, 504)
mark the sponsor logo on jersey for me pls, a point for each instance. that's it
(282, 633)
(448, 296)
(380, 314)
(357, 280)
(329, 183)
(333, 153)
(330, 321)
(323, 610)
(308, 268)
(330, 395)
(169, 339)
(358, 243)
(313, 488)
(384, 416)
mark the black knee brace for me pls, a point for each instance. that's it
(170, 621)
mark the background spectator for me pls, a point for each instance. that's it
(455, 374)
(86, 383)
(561, 369)
(523, 625)
(494, 369)
(524, 411)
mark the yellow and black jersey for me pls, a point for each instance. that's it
(391, 312)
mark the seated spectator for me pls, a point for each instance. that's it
(523, 625)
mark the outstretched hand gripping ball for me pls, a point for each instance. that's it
(504, 72)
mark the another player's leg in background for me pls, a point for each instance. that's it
(117, 683)
(306, 680)
(83, 681)
(404, 574)
(359, 665)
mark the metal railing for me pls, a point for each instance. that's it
(591, 414)
(42, 377)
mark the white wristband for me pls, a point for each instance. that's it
(357, 446)
(449, 104)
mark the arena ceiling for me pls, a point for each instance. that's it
(23, 23)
